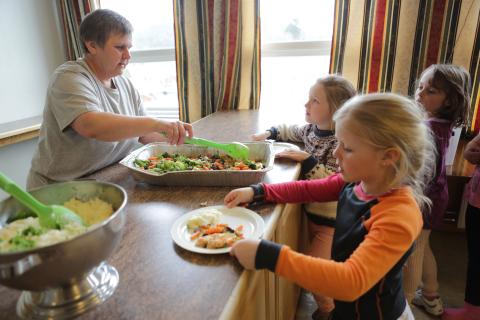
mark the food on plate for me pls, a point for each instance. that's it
(216, 236)
(206, 217)
(207, 232)
(176, 162)
(27, 233)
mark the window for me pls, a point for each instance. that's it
(152, 67)
(296, 38)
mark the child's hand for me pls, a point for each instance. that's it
(245, 252)
(238, 196)
(260, 136)
(296, 155)
(472, 151)
(473, 156)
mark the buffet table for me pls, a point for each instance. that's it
(159, 280)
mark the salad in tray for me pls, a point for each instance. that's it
(176, 162)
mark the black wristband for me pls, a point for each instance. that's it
(258, 192)
(273, 133)
(308, 164)
(267, 255)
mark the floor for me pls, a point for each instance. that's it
(450, 250)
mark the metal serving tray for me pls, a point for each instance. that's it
(259, 151)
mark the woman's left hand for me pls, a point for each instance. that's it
(245, 252)
(296, 155)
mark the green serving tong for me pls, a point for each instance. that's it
(50, 216)
(235, 149)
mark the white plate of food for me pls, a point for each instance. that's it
(200, 230)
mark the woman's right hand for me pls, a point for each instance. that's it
(261, 136)
(175, 132)
(238, 196)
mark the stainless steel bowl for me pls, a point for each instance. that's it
(70, 277)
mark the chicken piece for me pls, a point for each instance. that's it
(201, 242)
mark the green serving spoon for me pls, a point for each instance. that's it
(235, 149)
(50, 217)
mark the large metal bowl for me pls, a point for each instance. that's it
(70, 277)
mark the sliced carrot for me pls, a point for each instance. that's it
(215, 229)
(195, 235)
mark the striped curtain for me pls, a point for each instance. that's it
(217, 45)
(384, 45)
(71, 14)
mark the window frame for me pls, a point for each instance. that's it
(296, 48)
(157, 55)
(153, 55)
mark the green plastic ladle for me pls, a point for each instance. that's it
(50, 217)
(235, 149)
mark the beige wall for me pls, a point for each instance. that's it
(30, 49)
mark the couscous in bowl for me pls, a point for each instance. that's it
(41, 272)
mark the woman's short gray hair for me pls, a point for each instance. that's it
(98, 25)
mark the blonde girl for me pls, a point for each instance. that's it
(443, 90)
(384, 155)
(325, 97)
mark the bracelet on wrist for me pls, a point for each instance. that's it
(258, 192)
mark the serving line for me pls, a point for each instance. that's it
(160, 280)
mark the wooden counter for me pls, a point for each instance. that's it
(458, 176)
(158, 279)
(461, 167)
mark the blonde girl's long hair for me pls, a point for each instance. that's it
(337, 89)
(387, 120)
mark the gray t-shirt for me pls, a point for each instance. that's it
(62, 154)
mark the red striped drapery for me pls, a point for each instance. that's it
(384, 45)
(71, 15)
(217, 47)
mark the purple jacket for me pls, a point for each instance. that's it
(473, 188)
(437, 190)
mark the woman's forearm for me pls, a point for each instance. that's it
(105, 126)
